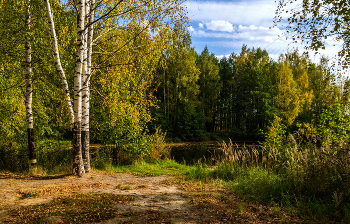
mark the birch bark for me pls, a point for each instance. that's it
(78, 166)
(58, 60)
(29, 90)
(85, 132)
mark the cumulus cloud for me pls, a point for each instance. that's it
(263, 34)
(225, 26)
(260, 12)
(334, 41)
(190, 28)
(219, 25)
(221, 56)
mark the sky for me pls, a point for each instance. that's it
(225, 25)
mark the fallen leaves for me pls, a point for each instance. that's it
(59, 189)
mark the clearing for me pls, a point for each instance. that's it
(101, 197)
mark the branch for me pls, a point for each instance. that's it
(103, 16)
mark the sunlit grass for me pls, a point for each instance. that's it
(162, 167)
(264, 186)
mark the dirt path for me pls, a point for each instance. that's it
(158, 199)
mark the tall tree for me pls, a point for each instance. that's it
(299, 65)
(226, 72)
(289, 103)
(178, 88)
(29, 89)
(78, 165)
(58, 60)
(254, 91)
(324, 86)
(89, 31)
(209, 86)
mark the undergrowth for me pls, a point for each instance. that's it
(259, 184)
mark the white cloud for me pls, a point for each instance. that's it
(260, 12)
(226, 26)
(219, 25)
(274, 56)
(262, 34)
(334, 41)
(221, 56)
(190, 28)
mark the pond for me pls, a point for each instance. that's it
(194, 152)
(204, 152)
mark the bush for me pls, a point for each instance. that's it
(157, 147)
(144, 147)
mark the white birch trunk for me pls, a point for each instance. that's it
(29, 90)
(78, 166)
(58, 60)
(85, 132)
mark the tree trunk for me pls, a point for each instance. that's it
(78, 166)
(85, 132)
(164, 95)
(29, 90)
(58, 61)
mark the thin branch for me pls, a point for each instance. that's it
(103, 16)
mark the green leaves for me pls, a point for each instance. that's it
(334, 126)
(317, 19)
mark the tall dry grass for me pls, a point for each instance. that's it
(319, 172)
(244, 155)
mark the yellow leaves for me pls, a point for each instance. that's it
(130, 58)
(12, 114)
(288, 95)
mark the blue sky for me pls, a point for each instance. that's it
(225, 25)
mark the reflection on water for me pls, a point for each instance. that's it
(194, 152)
(191, 153)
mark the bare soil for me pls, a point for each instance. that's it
(158, 199)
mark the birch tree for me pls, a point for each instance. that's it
(137, 17)
(78, 167)
(85, 132)
(29, 90)
(58, 60)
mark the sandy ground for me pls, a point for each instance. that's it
(149, 193)
(154, 195)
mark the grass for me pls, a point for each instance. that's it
(28, 195)
(121, 187)
(278, 190)
(76, 208)
(231, 209)
(162, 167)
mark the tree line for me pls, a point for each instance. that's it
(240, 95)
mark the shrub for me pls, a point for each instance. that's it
(157, 147)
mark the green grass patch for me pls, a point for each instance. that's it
(259, 184)
(29, 195)
(162, 167)
(121, 187)
(77, 208)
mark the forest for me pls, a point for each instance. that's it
(116, 86)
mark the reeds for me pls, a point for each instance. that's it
(244, 155)
(322, 171)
